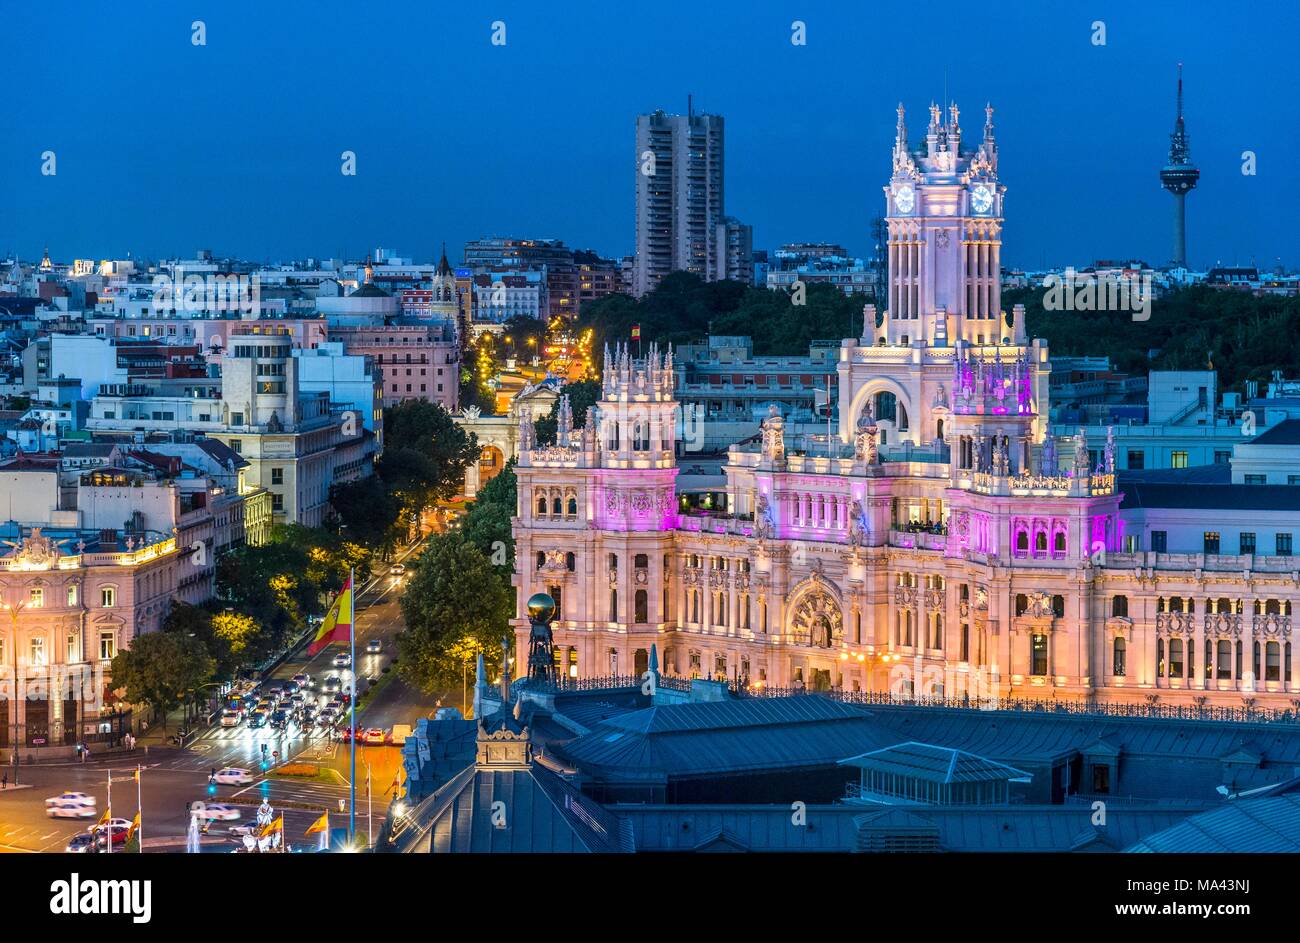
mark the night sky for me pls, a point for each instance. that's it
(163, 147)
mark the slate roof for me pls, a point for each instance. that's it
(1215, 497)
(1286, 432)
(1028, 737)
(935, 764)
(1002, 828)
(1250, 826)
(725, 738)
(544, 814)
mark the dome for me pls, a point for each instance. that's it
(541, 607)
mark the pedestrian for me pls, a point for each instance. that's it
(82, 754)
(4, 781)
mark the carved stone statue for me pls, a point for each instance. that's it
(764, 526)
(857, 525)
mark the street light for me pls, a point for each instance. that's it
(13, 611)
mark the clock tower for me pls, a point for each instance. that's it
(944, 217)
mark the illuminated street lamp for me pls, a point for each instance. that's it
(13, 611)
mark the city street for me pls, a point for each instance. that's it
(173, 778)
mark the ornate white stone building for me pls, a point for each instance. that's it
(944, 547)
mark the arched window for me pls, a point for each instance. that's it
(1119, 657)
(573, 506)
(1022, 542)
(541, 505)
(1040, 542)
(1160, 658)
(1059, 543)
(556, 506)
(1119, 606)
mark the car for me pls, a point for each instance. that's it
(336, 704)
(233, 776)
(332, 684)
(397, 736)
(220, 812)
(82, 843)
(302, 680)
(374, 647)
(397, 569)
(297, 699)
(342, 660)
(230, 718)
(70, 810)
(79, 798)
(257, 719)
(245, 828)
(119, 826)
(264, 704)
(374, 735)
(279, 719)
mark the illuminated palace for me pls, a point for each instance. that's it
(943, 543)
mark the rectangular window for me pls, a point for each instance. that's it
(277, 502)
(36, 597)
(1211, 541)
(72, 595)
(1222, 457)
(1178, 459)
(1137, 458)
(38, 652)
(1160, 541)
(1100, 779)
(1039, 652)
(236, 419)
(237, 446)
(1284, 545)
(1256, 479)
(1247, 542)
(107, 646)
(108, 597)
(74, 647)
(277, 476)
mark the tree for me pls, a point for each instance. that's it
(197, 622)
(488, 526)
(453, 595)
(368, 511)
(425, 454)
(162, 669)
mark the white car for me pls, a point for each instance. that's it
(233, 776)
(220, 812)
(302, 680)
(398, 570)
(70, 810)
(72, 798)
(230, 718)
(374, 646)
(342, 660)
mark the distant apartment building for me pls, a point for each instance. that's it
(734, 244)
(819, 263)
(498, 297)
(679, 196)
(415, 361)
(568, 276)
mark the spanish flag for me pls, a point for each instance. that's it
(337, 626)
(108, 814)
(275, 825)
(322, 824)
(636, 332)
(135, 827)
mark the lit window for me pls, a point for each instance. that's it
(107, 646)
(39, 656)
(108, 597)
(36, 597)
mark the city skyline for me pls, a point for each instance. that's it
(171, 177)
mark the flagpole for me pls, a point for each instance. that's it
(139, 808)
(352, 713)
(109, 824)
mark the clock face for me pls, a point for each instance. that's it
(981, 199)
(905, 198)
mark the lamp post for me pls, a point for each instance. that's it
(13, 642)
(871, 658)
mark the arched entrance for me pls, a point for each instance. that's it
(491, 460)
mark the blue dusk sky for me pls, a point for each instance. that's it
(163, 147)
